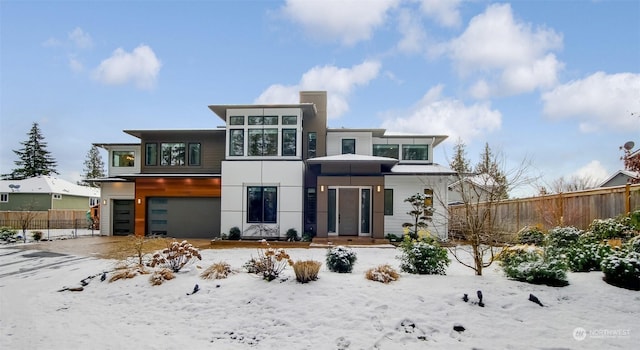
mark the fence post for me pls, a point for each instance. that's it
(627, 198)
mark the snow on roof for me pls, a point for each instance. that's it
(47, 184)
(421, 169)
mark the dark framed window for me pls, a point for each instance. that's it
(365, 210)
(4, 197)
(270, 120)
(311, 144)
(389, 151)
(236, 120)
(236, 142)
(263, 142)
(123, 158)
(262, 204)
(194, 154)
(388, 201)
(331, 210)
(172, 154)
(428, 202)
(256, 120)
(311, 204)
(415, 152)
(151, 154)
(289, 142)
(289, 120)
(348, 146)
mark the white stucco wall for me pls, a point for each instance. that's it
(363, 142)
(405, 186)
(287, 176)
(109, 192)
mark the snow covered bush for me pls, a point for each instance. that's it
(424, 256)
(7, 233)
(176, 256)
(36, 235)
(563, 237)
(269, 263)
(611, 228)
(530, 235)
(124, 271)
(622, 269)
(217, 271)
(586, 255)
(382, 273)
(634, 244)
(306, 270)
(341, 259)
(159, 276)
(234, 234)
(528, 263)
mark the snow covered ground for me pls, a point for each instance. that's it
(338, 311)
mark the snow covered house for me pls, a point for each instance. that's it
(42, 193)
(269, 169)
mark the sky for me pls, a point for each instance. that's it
(554, 85)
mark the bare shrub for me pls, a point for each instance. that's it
(382, 273)
(124, 271)
(176, 256)
(306, 270)
(219, 270)
(159, 276)
(269, 263)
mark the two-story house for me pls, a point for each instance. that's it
(271, 168)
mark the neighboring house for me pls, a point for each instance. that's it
(269, 169)
(621, 177)
(471, 189)
(42, 193)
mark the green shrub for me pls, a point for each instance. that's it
(292, 235)
(611, 228)
(341, 259)
(530, 235)
(424, 257)
(633, 245)
(634, 220)
(563, 237)
(622, 269)
(36, 235)
(6, 233)
(234, 234)
(528, 263)
(307, 237)
(586, 256)
(393, 238)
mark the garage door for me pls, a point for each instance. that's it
(184, 217)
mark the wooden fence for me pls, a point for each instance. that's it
(576, 209)
(39, 220)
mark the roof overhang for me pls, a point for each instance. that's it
(173, 132)
(352, 159)
(221, 110)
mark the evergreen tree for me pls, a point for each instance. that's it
(460, 163)
(93, 167)
(489, 165)
(35, 160)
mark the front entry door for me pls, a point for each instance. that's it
(348, 211)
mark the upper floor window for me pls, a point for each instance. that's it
(236, 142)
(415, 152)
(289, 120)
(348, 146)
(194, 154)
(123, 158)
(389, 151)
(263, 120)
(172, 153)
(311, 145)
(4, 197)
(236, 120)
(289, 142)
(151, 154)
(263, 142)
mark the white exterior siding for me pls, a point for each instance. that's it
(404, 186)
(108, 192)
(363, 142)
(287, 176)
(406, 141)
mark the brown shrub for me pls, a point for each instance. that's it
(124, 272)
(306, 270)
(382, 273)
(160, 276)
(217, 271)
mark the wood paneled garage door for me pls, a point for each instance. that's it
(183, 217)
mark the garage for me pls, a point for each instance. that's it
(178, 217)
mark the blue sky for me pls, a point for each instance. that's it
(551, 82)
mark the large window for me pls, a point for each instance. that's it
(388, 201)
(263, 142)
(172, 154)
(194, 154)
(236, 142)
(262, 204)
(389, 151)
(151, 154)
(289, 142)
(123, 158)
(311, 145)
(415, 152)
(348, 146)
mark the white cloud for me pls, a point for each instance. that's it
(445, 12)
(338, 82)
(593, 171)
(75, 65)
(413, 34)
(350, 21)
(141, 66)
(598, 101)
(515, 57)
(435, 114)
(80, 38)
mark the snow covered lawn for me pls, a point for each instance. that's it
(338, 311)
